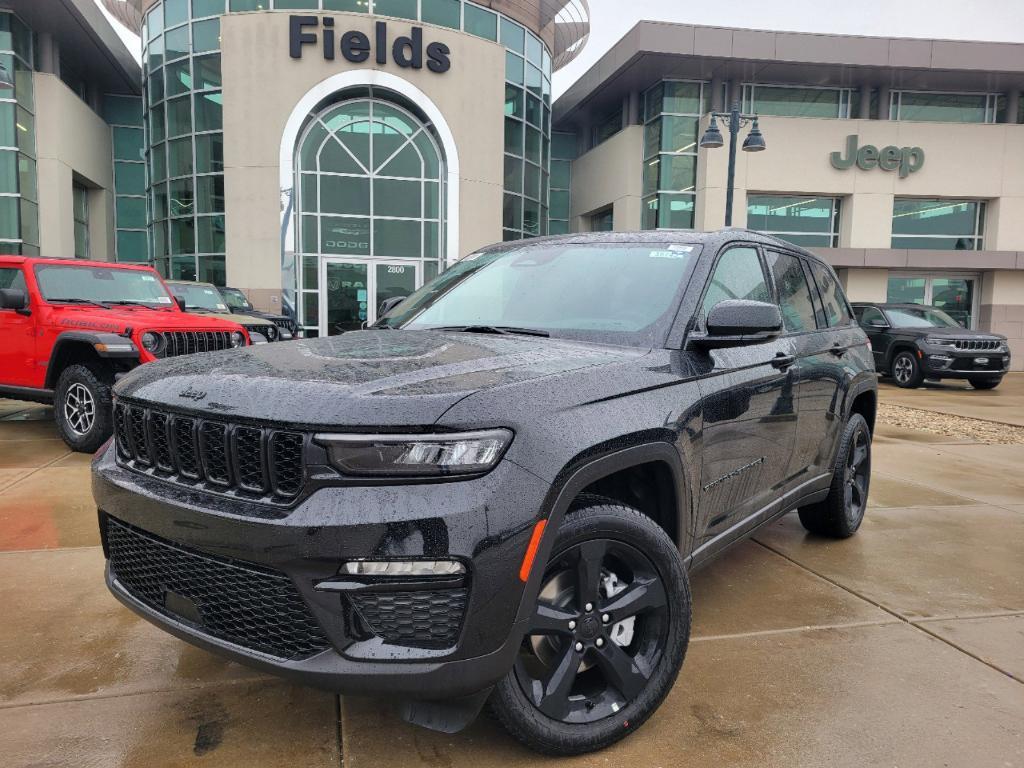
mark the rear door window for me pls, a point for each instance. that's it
(833, 300)
(796, 301)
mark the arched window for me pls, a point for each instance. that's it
(370, 185)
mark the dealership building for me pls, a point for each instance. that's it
(324, 155)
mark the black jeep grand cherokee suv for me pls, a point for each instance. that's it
(499, 490)
(912, 343)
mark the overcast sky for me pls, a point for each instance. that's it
(997, 20)
(1000, 20)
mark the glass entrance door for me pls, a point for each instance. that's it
(351, 291)
(954, 294)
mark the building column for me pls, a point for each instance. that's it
(883, 102)
(1012, 106)
(716, 94)
(634, 109)
(864, 111)
(49, 54)
(1002, 310)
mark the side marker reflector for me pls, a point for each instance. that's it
(531, 550)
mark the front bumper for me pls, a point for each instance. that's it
(941, 362)
(484, 523)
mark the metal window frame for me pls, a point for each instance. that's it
(748, 97)
(991, 105)
(980, 213)
(832, 234)
(930, 275)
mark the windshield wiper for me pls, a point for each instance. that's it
(75, 300)
(498, 329)
(131, 303)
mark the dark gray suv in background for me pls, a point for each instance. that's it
(498, 492)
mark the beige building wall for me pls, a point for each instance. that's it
(610, 174)
(961, 161)
(865, 284)
(262, 86)
(72, 144)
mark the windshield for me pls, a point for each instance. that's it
(616, 293)
(235, 299)
(62, 282)
(925, 317)
(199, 296)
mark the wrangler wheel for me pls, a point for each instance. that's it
(82, 406)
(607, 636)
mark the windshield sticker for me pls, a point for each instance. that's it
(149, 278)
(163, 299)
(678, 247)
(666, 255)
(221, 306)
(208, 291)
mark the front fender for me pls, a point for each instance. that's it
(104, 345)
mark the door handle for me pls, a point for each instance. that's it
(782, 361)
(838, 349)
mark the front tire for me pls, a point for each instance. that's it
(841, 513)
(980, 383)
(583, 678)
(82, 407)
(906, 370)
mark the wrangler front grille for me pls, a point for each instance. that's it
(175, 343)
(975, 345)
(243, 603)
(248, 462)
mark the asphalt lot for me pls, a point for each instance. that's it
(903, 646)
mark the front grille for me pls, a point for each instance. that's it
(283, 322)
(269, 332)
(427, 619)
(175, 343)
(974, 345)
(248, 462)
(242, 603)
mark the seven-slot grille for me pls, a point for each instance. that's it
(244, 461)
(975, 345)
(174, 343)
(243, 603)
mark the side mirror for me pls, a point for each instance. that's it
(180, 302)
(388, 304)
(737, 322)
(879, 326)
(13, 298)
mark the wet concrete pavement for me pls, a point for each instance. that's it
(901, 646)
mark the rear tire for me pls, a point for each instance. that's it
(906, 370)
(562, 701)
(841, 513)
(83, 406)
(979, 383)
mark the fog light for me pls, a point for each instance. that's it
(403, 568)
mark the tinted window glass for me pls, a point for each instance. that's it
(738, 275)
(837, 311)
(795, 299)
(870, 316)
(12, 277)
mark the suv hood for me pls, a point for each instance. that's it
(231, 317)
(119, 319)
(952, 333)
(362, 378)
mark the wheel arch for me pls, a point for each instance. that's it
(76, 347)
(900, 345)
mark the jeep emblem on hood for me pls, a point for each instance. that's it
(191, 394)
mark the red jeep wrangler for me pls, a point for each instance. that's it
(70, 328)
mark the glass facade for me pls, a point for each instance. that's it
(19, 209)
(802, 220)
(948, 225)
(928, 106)
(124, 115)
(563, 152)
(798, 101)
(184, 131)
(672, 111)
(371, 184)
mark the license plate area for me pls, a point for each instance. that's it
(981, 361)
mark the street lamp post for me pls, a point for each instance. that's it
(712, 138)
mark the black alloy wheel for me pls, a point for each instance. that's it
(841, 513)
(607, 636)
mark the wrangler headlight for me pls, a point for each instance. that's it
(150, 341)
(237, 339)
(437, 455)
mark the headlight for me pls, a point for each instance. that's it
(437, 455)
(237, 339)
(272, 332)
(150, 341)
(940, 342)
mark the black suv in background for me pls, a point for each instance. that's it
(912, 342)
(498, 491)
(239, 304)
